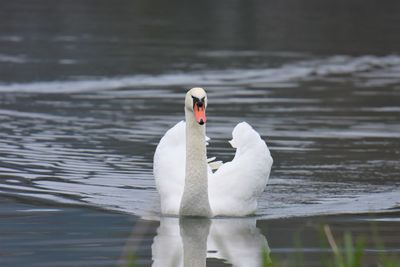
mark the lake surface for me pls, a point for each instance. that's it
(88, 88)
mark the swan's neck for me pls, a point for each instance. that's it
(195, 194)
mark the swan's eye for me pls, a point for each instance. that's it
(199, 103)
(196, 101)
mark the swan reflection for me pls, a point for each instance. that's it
(190, 241)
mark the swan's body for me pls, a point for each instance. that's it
(185, 182)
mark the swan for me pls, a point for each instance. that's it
(185, 179)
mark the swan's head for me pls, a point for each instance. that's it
(196, 102)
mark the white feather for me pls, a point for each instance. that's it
(169, 168)
(233, 189)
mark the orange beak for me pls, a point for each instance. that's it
(200, 113)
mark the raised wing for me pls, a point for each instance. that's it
(238, 183)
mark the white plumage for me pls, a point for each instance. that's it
(233, 189)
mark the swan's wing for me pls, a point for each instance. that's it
(236, 185)
(169, 168)
(213, 165)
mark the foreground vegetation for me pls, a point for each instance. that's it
(349, 253)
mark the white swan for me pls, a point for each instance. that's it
(185, 181)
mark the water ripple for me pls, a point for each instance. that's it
(91, 142)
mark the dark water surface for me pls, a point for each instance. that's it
(87, 89)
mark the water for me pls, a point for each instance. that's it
(88, 88)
